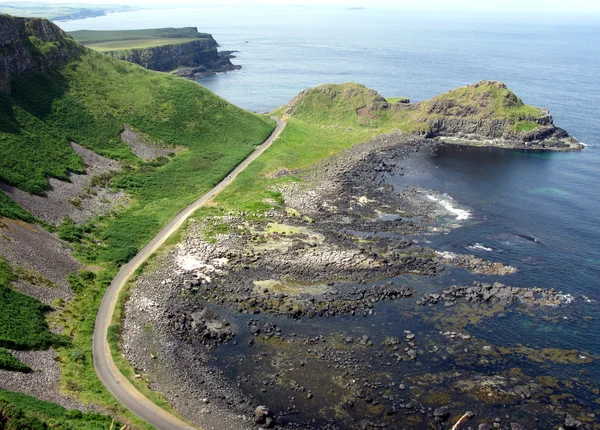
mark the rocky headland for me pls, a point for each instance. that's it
(183, 51)
(483, 114)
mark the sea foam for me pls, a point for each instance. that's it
(461, 214)
(479, 246)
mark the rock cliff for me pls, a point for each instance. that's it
(186, 59)
(31, 45)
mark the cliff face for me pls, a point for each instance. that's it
(31, 45)
(186, 59)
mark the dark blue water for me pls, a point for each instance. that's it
(539, 212)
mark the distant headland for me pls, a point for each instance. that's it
(183, 51)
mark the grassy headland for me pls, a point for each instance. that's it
(114, 40)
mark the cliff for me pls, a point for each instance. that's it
(184, 51)
(31, 45)
(483, 114)
(185, 59)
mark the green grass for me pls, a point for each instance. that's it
(22, 322)
(20, 411)
(9, 209)
(301, 144)
(525, 125)
(393, 100)
(9, 362)
(98, 36)
(118, 40)
(351, 105)
(121, 45)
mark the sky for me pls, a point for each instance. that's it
(570, 7)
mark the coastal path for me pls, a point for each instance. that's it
(107, 371)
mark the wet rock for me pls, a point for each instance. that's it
(441, 414)
(498, 293)
(572, 423)
(261, 413)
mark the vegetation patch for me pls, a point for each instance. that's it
(20, 411)
(9, 209)
(22, 323)
(9, 362)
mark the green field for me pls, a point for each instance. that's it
(109, 40)
(121, 45)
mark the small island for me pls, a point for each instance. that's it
(183, 51)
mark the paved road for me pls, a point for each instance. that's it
(105, 367)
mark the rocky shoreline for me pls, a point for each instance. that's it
(225, 301)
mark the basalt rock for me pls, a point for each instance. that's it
(31, 45)
(188, 59)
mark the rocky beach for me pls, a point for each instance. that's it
(271, 322)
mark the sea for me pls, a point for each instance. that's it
(536, 211)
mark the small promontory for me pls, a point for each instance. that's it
(483, 114)
(184, 51)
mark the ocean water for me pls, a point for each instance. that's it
(537, 211)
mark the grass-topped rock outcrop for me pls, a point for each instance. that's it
(184, 51)
(483, 114)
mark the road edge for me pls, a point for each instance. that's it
(106, 370)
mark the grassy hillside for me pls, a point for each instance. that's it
(88, 101)
(87, 98)
(114, 40)
(19, 411)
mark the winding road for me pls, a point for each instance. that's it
(107, 371)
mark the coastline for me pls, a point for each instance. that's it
(222, 288)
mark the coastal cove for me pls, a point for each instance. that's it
(420, 347)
